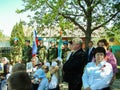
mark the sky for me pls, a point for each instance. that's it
(8, 16)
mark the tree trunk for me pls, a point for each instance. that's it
(89, 24)
(87, 38)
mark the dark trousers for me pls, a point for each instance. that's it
(107, 88)
(35, 86)
(74, 86)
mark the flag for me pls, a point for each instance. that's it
(60, 48)
(35, 43)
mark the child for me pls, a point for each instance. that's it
(40, 77)
(47, 72)
(54, 85)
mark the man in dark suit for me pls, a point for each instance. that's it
(90, 51)
(73, 68)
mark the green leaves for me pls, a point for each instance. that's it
(1, 34)
(114, 32)
(18, 33)
(88, 15)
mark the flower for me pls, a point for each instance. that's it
(102, 67)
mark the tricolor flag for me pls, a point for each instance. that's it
(35, 43)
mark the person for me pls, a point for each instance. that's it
(18, 67)
(109, 57)
(74, 66)
(90, 51)
(40, 78)
(16, 51)
(65, 50)
(42, 52)
(97, 74)
(19, 81)
(5, 74)
(52, 52)
(35, 65)
(54, 83)
(71, 50)
(26, 52)
(47, 72)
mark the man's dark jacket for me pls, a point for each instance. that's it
(90, 56)
(73, 68)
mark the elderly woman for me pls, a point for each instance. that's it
(35, 65)
(98, 74)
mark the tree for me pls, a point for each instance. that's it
(114, 32)
(87, 15)
(17, 32)
(1, 34)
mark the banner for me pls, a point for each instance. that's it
(35, 43)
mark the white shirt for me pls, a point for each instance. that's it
(54, 82)
(97, 77)
(90, 49)
(68, 55)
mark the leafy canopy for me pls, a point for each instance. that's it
(87, 15)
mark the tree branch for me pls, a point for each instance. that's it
(88, 2)
(105, 22)
(73, 20)
(49, 5)
(94, 5)
(76, 7)
(82, 7)
(73, 15)
(91, 1)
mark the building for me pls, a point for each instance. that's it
(4, 47)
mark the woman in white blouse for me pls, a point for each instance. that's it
(97, 74)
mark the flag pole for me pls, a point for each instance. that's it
(60, 46)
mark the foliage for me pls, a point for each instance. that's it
(87, 15)
(117, 54)
(114, 32)
(17, 32)
(1, 34)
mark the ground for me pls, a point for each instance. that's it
(115, 86)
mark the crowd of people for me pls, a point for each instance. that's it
(93, 68)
